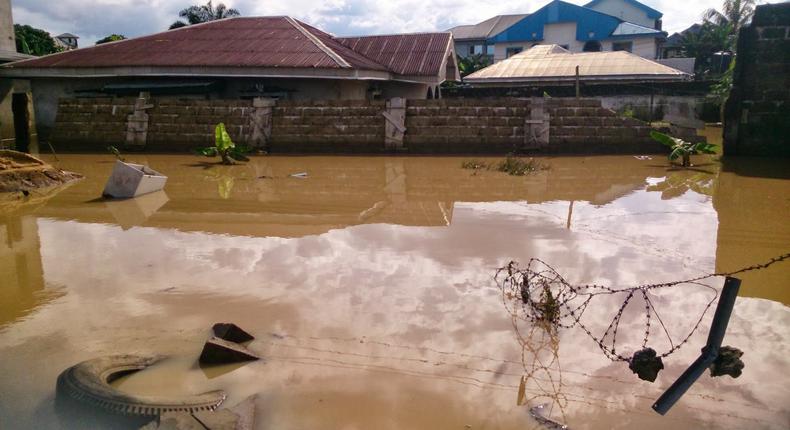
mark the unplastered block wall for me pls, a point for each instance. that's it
(182, 124)
(91, 122)
(465, 125)
(757, 114)
(328, 126)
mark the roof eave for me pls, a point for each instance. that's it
(202, 71)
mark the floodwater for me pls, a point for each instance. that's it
(369, 285)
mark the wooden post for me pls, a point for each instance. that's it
(394, 124)
(137, 123)
(261, 122)
(578, 92)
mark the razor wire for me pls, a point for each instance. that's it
(538, 294)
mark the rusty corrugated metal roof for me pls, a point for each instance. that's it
(418, 54)
(553, 63)
(265, 42)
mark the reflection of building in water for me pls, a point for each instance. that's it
(263, 200)
(22, 286)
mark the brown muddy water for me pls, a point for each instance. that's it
(369, 285)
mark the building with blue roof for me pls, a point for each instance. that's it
(599, 26)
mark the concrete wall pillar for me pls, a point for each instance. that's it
(394, 124)
(137, 123)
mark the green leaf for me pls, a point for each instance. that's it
(662, 138)
(222, 139)
(207, 152)
(677, 152)
(238, 156)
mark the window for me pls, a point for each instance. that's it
(471, 50)
(478, 49)
(513, 50)
(592, 46)
(623, 46)
(490, 50)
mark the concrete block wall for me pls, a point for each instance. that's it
(182, 124)
(328, 126)
(757, 113)
(584, 126)
(92, 123)
(465, 125)
(493, 126)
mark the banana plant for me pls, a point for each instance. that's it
(224, 147)
(682, 149)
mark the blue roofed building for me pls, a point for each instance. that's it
(619, 25)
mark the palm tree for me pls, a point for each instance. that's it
(205, 13)
(735, 13)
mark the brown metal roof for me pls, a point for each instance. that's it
(419, 54)
(265, 42)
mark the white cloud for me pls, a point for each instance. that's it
(345, 17)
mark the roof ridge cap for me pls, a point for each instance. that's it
(337, 58)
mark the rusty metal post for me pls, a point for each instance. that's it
(709, 353)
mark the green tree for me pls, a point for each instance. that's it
(473, 63)
(205, 13)
(702, 45)
(111, 38)
(734, 14)
(34, 41)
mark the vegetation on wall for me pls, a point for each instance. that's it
(197, 14)
(34, 41)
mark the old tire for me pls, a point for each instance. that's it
(88, 383)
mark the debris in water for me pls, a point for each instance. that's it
(643, 157)
(522, 390)
(646, 364)
(231, 332)
(300, 175)
(536, 411)
(219, 351)
(728, 362)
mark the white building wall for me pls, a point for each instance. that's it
(563, 33)
(644, 47)
(625, 11)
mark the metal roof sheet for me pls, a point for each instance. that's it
(280, 42)
(631, 29)
(418, 54)
(487, 28)
(551, 62)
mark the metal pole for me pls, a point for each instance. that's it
(709, 353)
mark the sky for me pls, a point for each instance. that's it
(341, 17)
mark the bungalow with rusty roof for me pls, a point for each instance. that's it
(243, 57)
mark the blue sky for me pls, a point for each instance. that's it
(342, 17)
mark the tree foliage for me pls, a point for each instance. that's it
(473, 63)
(734, 13)
(197, 14)
(34, 41)
(111, 38)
